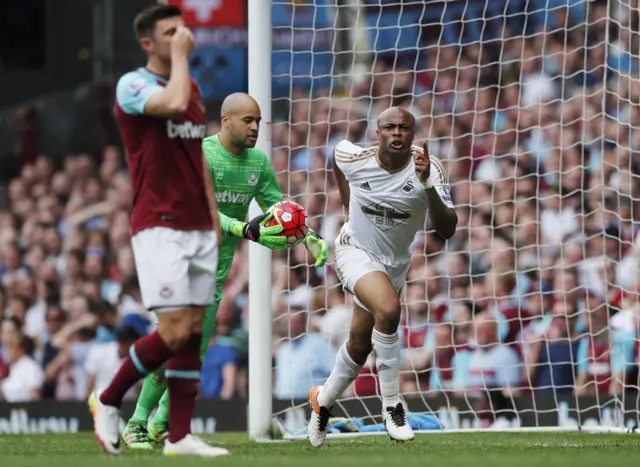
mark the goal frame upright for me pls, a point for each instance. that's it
(260, 313)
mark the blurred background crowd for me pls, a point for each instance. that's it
(536, 293)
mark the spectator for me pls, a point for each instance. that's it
(595, 372)
(10, 336)
(303, 360)
(221, 363)
(219, 369)
(104, 359)
(335, 323)
(492, 365)
(55, 319)
(66, 371)
(25, 375)
(500, 286)
(551, 367)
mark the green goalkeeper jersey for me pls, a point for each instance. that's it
(237, 180)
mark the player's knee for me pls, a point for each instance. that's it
(197, 319)
(387, 315)
(176, 331)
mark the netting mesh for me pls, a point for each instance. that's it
(534, 107)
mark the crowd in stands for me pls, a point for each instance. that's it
(536, 293)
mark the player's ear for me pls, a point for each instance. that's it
(146, 44)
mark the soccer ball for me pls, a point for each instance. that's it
(293, 219)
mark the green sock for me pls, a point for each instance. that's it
(162, 414)
(152, 389)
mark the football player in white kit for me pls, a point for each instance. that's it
(388, 190)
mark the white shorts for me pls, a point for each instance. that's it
(176, 268)
(352, 263)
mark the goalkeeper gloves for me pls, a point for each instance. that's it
(317, 246)
(256, 231)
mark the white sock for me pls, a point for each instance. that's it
(345, 370)
(388, 348)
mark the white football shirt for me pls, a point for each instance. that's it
(103, 362)
(24, 375)
(386, 209)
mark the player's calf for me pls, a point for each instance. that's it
(349, 361)
(183, 376)
(380, 296)
(322, 398)
(359, 347)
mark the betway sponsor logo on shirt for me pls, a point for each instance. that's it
(231, 197)
(186, 130)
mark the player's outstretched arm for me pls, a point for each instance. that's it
(441, 213)
(174, 98)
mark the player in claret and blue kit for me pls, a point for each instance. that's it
(174, 224)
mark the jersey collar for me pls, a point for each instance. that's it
(382, 166)
(223, 149)
(146, 71)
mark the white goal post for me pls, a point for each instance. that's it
(534, 108)
(260, 396)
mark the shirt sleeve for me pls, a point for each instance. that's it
(228, 356)
(226, 223)
(269, 192)
(460, 366)
(440, 180)
(133, 91)
(622, 345)
(349, 157)
(583, 355)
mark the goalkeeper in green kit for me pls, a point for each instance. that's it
(240, 173)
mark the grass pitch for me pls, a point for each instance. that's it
(468, 450)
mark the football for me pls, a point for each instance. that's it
(293, 219)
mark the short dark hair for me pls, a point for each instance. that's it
(144, 24)
(127, 333)
(101, 307)
(27, 345)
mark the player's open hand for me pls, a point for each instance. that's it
(423, 166)
(182, 42)
(317, 246)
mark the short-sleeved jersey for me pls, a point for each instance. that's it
(386, 209)
(237, 180)
(164, 157)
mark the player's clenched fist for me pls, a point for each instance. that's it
(423, 166)
(182, 42)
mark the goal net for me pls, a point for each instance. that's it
(528, 317)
